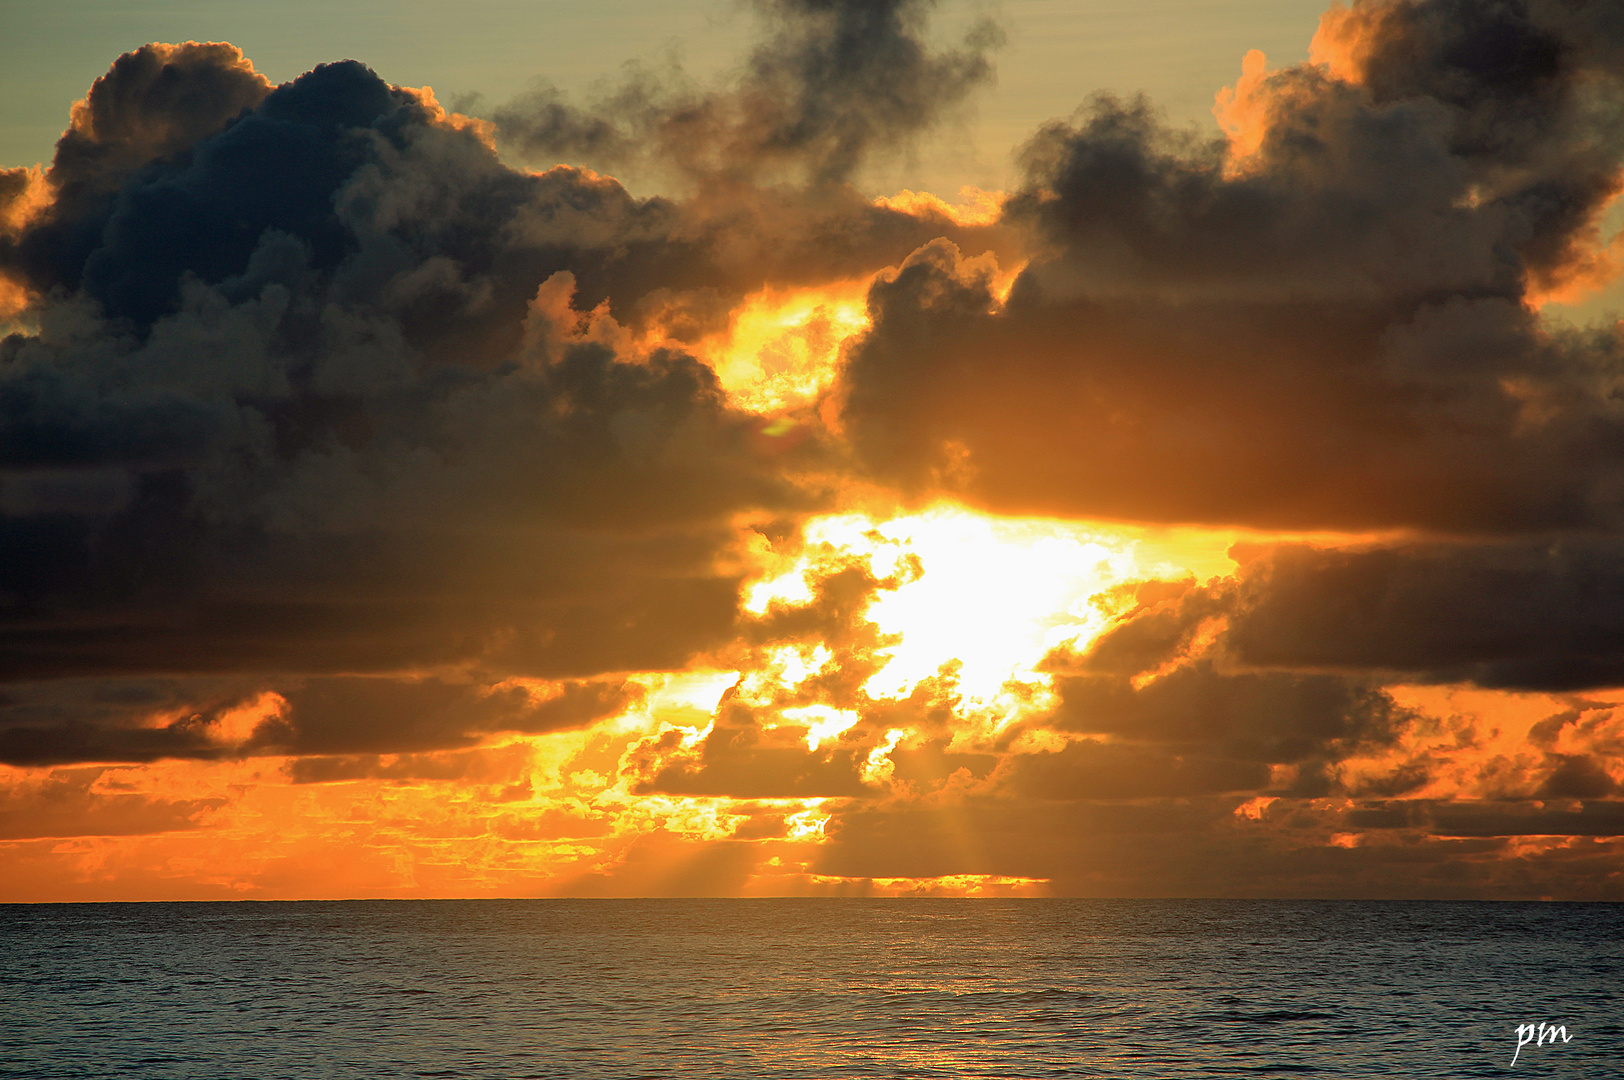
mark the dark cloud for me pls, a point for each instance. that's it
(149, 111)
(1515, 616)
(1330, 332)
(1156, 620)
(81, 741)
(315, 389)
(1094, 770)
(154, 103)
(1531, 616)
(833, 82)
(359, 715)
(740, 760)
(1198, 847)
(1256, 716)
(321, 386)
(296, 408)
(427, 518)
(140, 720)
(116, 720)
(1590, 817)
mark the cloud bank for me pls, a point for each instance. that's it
(340, 452)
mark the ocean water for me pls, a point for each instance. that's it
(1161, 989)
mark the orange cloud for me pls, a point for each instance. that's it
(1242, 110)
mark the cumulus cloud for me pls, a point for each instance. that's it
(318, 386)
(294, 406)
(1329, 329)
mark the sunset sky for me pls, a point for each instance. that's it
(812, 447)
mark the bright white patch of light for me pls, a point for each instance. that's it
(683, 701)
(995, 594)
(807, 824)
(822, 722)
(790, 588)
(879, 767)
(796, 665)
(700, 690)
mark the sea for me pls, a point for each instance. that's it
(526, 989)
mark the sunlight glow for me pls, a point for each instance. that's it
(822, 722)
(976, 206)
(782, 349)
(946, 885)
(987, 596)
(807, 824)
(879, 768)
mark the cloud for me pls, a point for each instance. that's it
(1527, 616)
(352, 715)
(503, 766)
(327, 436)
(154, 103)
(740, 763)
(87, 802)
(51, 722)
(147, 719)
(299, 405)
(1590, 817)
(1332, 331)
(832, 84)
(1524, 615)
(317, 386)
(1258, 716)
(1093, 770)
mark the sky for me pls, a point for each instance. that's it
(811, 447)
(484, 53)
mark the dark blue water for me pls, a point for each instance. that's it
(808, 988)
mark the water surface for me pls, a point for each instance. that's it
(807, 988)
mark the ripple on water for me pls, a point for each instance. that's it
(805, 988)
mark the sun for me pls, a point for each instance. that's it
(988, 596)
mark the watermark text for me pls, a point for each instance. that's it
(1539, 1034)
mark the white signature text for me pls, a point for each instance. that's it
(1539, 1034)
